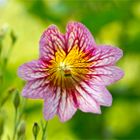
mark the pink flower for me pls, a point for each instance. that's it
(71, 73)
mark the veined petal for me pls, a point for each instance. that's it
(51, 103)
(99, 93)
(32, 70)
(105, 55)
(78, 34)
(51, 41)
(36, 89)
(86, 103)
(106, 75)
(66, 107)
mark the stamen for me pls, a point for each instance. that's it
(74, 64)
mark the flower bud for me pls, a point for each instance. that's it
(35, 129)
(13, 37)
(16, 100)
(21, 130)
(3, 31)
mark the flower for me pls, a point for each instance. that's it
(72, 72)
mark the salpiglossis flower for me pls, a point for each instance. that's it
(72, 72)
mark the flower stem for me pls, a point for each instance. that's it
(35, 137)
(15, 125)
(44, 130)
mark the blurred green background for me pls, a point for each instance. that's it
(114, 22)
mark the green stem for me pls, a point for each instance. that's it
(0, 46)
(35, 137)
(44, 129)
(1, 73)
(16, 124)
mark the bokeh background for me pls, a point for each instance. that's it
(114, 22)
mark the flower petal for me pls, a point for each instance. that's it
(51, 103)
(106, 75)
(78, 34)
(86, 103)
(51, 41)
(32, 70)
(105, 55)
(67, 107)
(36, 89)
(99, 93)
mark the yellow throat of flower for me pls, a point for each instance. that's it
(68, 70)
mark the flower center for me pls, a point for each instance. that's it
(66, 70)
